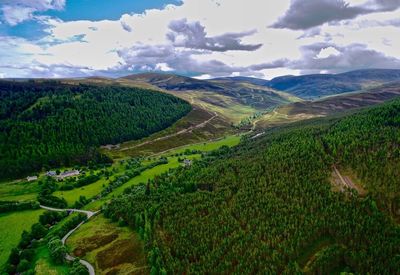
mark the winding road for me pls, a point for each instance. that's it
(89, 214)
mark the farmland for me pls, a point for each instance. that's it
(12, 225)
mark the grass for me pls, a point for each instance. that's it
(71, 196)
(109, 248)
(228, 108)
(12, 226)
(230, 141)
(151, 173)
(19, 191)
(168, 139)
(142, 178)
(44, 264)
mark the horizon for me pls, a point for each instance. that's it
(71, 39)
(176, 74)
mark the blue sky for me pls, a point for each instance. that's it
(105, 9)
(201, 38)
(83, 10)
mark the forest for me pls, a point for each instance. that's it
(47, 124)
(269, 206)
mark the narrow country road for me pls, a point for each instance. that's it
(68, 257)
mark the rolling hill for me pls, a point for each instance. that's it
(330, 105)
(317, 86)
(272, 204)
(234, 100)
(47, 123)
(320, 85)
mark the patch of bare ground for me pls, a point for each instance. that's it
(346, 181)
(122, 253)
(91, 243)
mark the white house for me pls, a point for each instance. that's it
(67, 174)
(32, 178)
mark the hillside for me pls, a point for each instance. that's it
(330, 105)
(53, 124)
(173, 82)
(316, 86)
(232, 100)
(272, 204)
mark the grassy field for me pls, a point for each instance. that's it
(151, 173)
(12, 225)
(230, 141)
(144, 177)
(184, 132)
(18, 191)
(71, 196)
(110, 249)
(225, 106)
(44, 265)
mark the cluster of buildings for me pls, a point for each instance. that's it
(63, 175)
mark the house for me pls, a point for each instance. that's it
(32, 178)
(187, 162)
(67, 174)
(51, 173)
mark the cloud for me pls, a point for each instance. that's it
(270, 65)
(354, 56)
(306, 14)
(208, 39)
(327, 52)
(193, 35)
(17, 11)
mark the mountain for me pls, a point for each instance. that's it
(347, 101)
(48, 123)
(330, 105)
(316, 197)
(231, 98)
(173, 82)
(251, 80)
(320, 85)
(316, 86)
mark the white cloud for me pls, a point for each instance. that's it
(327, 52)
(17, 11)
(163, 67)
(209, 38)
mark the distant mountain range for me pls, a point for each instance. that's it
(307, 87)
(321, 85)
(245, 93)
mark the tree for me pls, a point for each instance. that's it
(78, 269)
(57, 250)
(23, 265)
(38, 231)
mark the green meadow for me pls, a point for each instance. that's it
(12, 226)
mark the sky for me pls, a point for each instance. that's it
(198, 38)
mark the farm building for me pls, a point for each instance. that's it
(67, 174)
(51, 173)
(32, 178)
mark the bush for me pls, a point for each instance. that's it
(7, 206)
(23, 266)
(78, 269)
(38, 231)
(57, 250)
